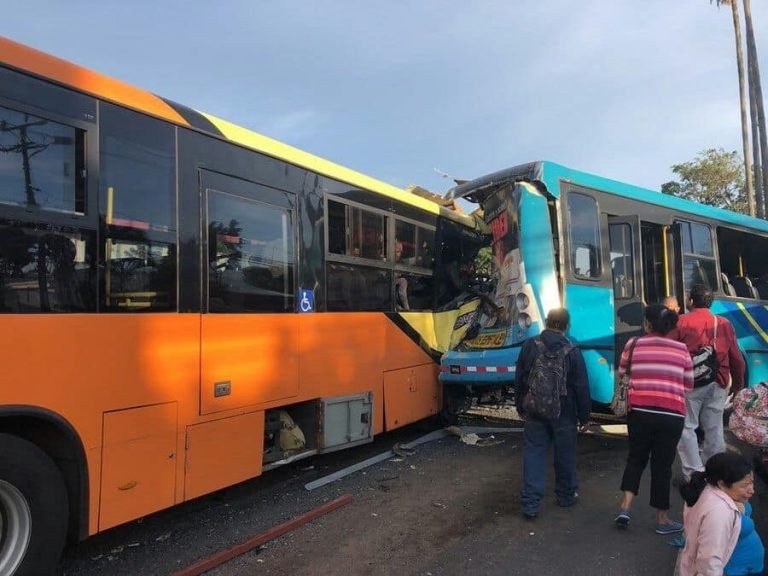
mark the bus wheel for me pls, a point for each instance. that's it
(33, 509)
(456, 400)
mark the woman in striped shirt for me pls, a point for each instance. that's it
(660, 372)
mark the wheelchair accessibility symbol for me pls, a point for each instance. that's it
(306, 301)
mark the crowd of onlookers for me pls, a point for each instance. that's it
(678, 375)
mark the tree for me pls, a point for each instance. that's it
(750, 189)
(714, 177)
(759, 137)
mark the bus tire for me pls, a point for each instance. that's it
(456, 400)
(33, 508)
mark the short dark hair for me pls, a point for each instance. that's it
(558, 319)
(701, 296)
(661, 318)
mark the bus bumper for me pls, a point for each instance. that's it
(479, 369)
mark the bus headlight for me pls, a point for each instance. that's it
(522, 300)
(524, 321)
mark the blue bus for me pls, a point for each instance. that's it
(601, 248)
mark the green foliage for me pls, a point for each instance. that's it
(715, 177)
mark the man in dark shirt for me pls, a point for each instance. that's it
(540, 433)
(705, 403)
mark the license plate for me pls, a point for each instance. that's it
(491, 340)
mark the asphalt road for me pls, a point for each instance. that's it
(449, 509)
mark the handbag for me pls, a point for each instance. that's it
(705, 363)
(621, 393)
(749, 420)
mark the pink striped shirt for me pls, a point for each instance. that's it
(661, 373)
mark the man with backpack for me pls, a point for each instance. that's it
(552, 395)
(717, 362)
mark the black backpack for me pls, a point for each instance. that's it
(546, 381)
(705, 363)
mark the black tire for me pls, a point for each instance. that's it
(28, 475)
(456, 401)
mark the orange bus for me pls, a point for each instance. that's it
(185, 304)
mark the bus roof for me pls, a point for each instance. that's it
(53, 69)
(551, 173)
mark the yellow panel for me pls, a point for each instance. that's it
(410, 394)
(223, 452)
(256, 353)
(452, 325)
(139, 463)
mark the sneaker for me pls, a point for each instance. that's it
(530, 515)
(678, 542)
(622, 520)
(671, 528)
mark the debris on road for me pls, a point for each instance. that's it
(403, 450)
(219, 558)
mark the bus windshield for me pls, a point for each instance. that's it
(498, 311)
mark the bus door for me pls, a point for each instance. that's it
(624, 242)
(694, 254)
(661, 262)
(249, 333)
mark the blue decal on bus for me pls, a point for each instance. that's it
(305, 303)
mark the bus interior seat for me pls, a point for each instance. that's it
(761, 284)
(728, 288)
(744, 288)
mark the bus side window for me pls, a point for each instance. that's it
(584, 236)
(47, 260)
(699, 265)
(251, 261)
(622, 264)
(742, 260)
(137, 205)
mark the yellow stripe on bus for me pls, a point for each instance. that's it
(752, 321)
(293, 155)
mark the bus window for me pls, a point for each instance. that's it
(584, 236)
(654, 268)
(413, 291)
(337, 228)
(42, 163)
(698, 255)
(622, 263)
(414, 245)
(356, 232)
(250, 263)
(358, 288)
(45, 268)
(743, 263)
(137, 205)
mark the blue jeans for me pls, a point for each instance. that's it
(539, 436)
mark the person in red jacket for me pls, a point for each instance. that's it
(706, 402)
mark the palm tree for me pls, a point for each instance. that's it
(734, 4)
(756, 95)
(759, 195)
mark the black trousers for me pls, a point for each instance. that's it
(656, 436)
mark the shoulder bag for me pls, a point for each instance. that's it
(621, 393)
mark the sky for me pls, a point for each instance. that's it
(422, 91)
